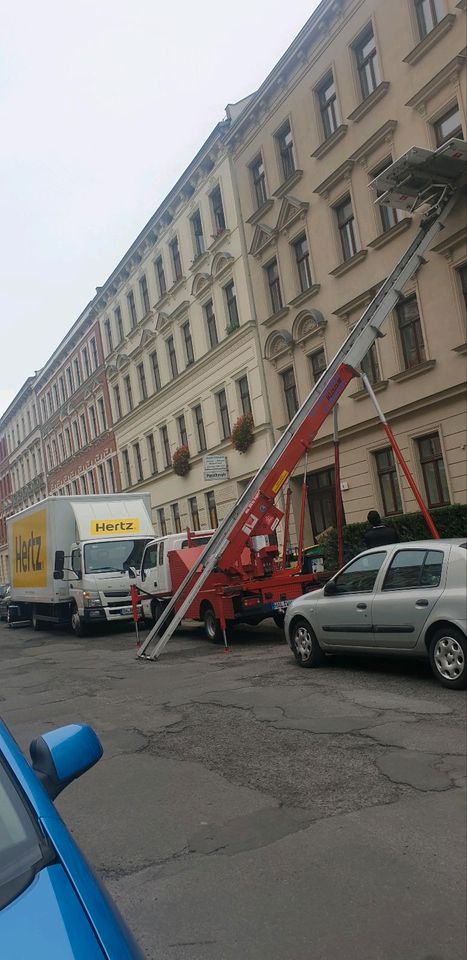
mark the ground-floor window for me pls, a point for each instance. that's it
(212, 510)
(388, 482)
(322, 499)
(433, 469)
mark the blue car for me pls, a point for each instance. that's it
(51, 903)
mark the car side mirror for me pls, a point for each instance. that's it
(330, 589)
(59, 564)
(131, 573)
(61, 755)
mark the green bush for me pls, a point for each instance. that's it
(449, 521)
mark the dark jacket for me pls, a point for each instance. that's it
(380, 536)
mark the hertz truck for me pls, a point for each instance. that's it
(71, 558)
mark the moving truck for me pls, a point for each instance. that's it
(72, 558)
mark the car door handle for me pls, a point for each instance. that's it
(422, 603)
(361, 606)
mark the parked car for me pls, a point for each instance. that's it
(406, 599)
(5, 597)
(51, 903)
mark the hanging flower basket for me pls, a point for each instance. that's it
(242, 433)
(181, 460)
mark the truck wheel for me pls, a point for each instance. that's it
(212, 627)
(36, 622)
(77, 625)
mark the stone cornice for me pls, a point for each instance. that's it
(378, 93)
(343, 172)
(349, 264)
(383, 238)
(431, 38)
(330, 142)
(451, 70)
(383, 134)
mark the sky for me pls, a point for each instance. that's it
(103, 103)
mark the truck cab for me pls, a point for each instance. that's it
(154, 580)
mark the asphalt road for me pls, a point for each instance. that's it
(249, 810)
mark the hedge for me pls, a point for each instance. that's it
(449, 521)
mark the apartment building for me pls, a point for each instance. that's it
(182, 351)
(80, 454)
(363, 82)
(5, 492)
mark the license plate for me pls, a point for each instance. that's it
(281, 604)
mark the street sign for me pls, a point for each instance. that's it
(215, 468)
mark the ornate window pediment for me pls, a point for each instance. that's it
(200, 282)
(122, 361)
(262, 238)
(162, 320)
(290, 211)
(220, 261)
(146, 338)
(278, 343)
(307, 323)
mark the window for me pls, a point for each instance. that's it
(189, 354)
(462, 274)
(360, 575)
(132, 309)
(286, 151)
(110, 468)
(258, 178)
(84, 428)
(212, 509)
(211, 324)
(223, 414)
(388, 482)
(152, 453)
(410, 332)
(69, 446)
(182, 434)
(328, 106)
(370, 365)
(172, 356)
(85, 356)
(244, 394)
(275, 295)
(194, 513)
(162, 522)
(61, 384)
(412, 569)
(429, 13)
(318, 364)
(164, 435)
(198, 238)
(129, 392)
(101, 409)
(143, 289)
(119, 322)
(177, 525)
(160, 274)
(389, 215)
(143, 390)
(92, 482)
(200, 432)
(94, 354)
(217, 211)
(176, 261)
(231, 302)
(367, 62)
(69, 378)
(118, 402)
(322, 499)
(138, 461)
(76, 436)
(56, 400)
(434, 472)
(155, 370)
(61, 444)
(84, 483)
(77, 370)
(302, 259)
(290, 392)
(448, 126)
(75, 491)
(93, 422)
(101, 474)
(108, 334)
(347, 228)
(126, 467)
(55, 457)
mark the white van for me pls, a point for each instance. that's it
(154, 577)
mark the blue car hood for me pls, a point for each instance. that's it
(47, 922)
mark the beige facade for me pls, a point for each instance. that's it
(358, 87)
(182, 350)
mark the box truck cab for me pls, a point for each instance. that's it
(154, 579)
(72, 559)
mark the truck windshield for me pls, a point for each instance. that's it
(113, 556)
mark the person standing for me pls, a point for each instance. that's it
(379, 533)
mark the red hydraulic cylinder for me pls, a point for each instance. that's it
(286, 526)
(337, 482)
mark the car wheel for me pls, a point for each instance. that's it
(212, 627)
(305, 646)
(77, 625)
(448, 657)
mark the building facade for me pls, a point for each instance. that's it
(363, 82)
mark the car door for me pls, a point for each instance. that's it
(413, 582)
(344, 618)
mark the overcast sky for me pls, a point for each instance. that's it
(103, 103)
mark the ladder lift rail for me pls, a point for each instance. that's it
(232, 534)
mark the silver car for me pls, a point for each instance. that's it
(407, 599)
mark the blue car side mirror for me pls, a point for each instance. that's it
(61, 755)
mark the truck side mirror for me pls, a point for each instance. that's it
(59, 564)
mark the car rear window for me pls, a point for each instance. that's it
(410, 569)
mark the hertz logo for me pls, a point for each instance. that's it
(29, 549)
(102, 528)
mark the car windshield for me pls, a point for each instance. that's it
(23, 849)
(113, 556)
